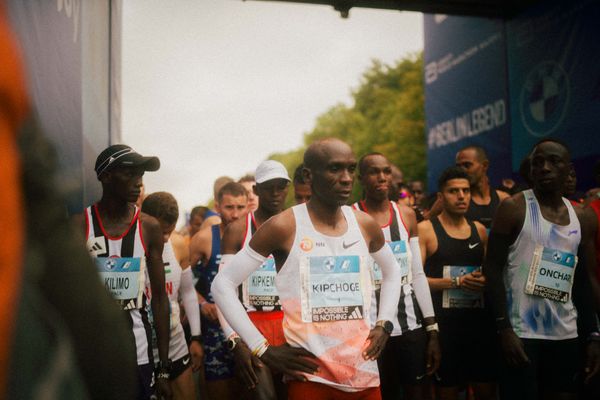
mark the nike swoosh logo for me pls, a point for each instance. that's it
(472, 246)
(571, 233)
(345, 246)
(186, 361)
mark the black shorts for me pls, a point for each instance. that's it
(145, 373)
(179, 366)
(468, 356)
(554, 367)
(402, 362)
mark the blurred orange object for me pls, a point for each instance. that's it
(13, 110)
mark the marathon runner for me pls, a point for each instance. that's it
(321, 250)
(258, 292)
(453, 248)
(413, 350)
(179, 287)
(128, 246)
(539, 264)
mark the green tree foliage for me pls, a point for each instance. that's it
(387, 116)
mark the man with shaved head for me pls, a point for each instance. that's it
(321, 250)
(539, 265)
(484, 199)
(413, 349)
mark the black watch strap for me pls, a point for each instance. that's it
(164, 366)
(196, 338)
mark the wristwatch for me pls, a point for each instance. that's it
(387, 326)
(232, 342)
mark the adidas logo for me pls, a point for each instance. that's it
(356, 314)
(96, 246)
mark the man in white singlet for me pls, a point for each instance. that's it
(413, 351)
(322, 255)
(539, 265)
(258, 293)
(128, 246)
(179, 286)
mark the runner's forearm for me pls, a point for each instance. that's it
(227, 329)
(587, 320)
(390, 287)
(189, 300)
(224, 293)
(420, 285)
(160, 309)
(493, 268)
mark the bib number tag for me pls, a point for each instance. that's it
(399, 249)
(124, 278)
(331, 289)
(259, 289)
(458, 298)
(551, 274)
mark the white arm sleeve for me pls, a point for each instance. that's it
(190, 300)
(419, 283)
(224, 293)
(227, 329)
(390, 284)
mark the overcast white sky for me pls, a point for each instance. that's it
(213, 87)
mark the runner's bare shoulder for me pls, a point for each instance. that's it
(510, 215)
(370, 229)
(276, 233)
(233, 236)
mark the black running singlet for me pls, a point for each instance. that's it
(453, 252)
(484, 213)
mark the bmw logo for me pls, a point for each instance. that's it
(329, 264)
(110, 264)
(544, 98)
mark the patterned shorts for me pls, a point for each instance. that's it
(218, 360)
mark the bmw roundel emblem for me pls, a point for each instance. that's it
(556, 256)
(329, 263)
(544, 98)
(110, 264)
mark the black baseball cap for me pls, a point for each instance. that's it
(120, 155)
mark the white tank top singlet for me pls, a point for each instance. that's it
(177, 344)
(408, 315)
(114, 250)
(545, 313)
(258, 292)
(325, 291)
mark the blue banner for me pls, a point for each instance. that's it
(555, 80)
(466, 99)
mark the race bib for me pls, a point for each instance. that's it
(458, 298)
(124, 278)
(331, 289)
(400, 252)
(551, 274)
(259, 289)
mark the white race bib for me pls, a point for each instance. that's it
(399, 249)
(124, 278)
(458, 298)
(551, 274)
(259, 289)
(331, 288)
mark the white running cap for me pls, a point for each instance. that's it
(270, 169)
